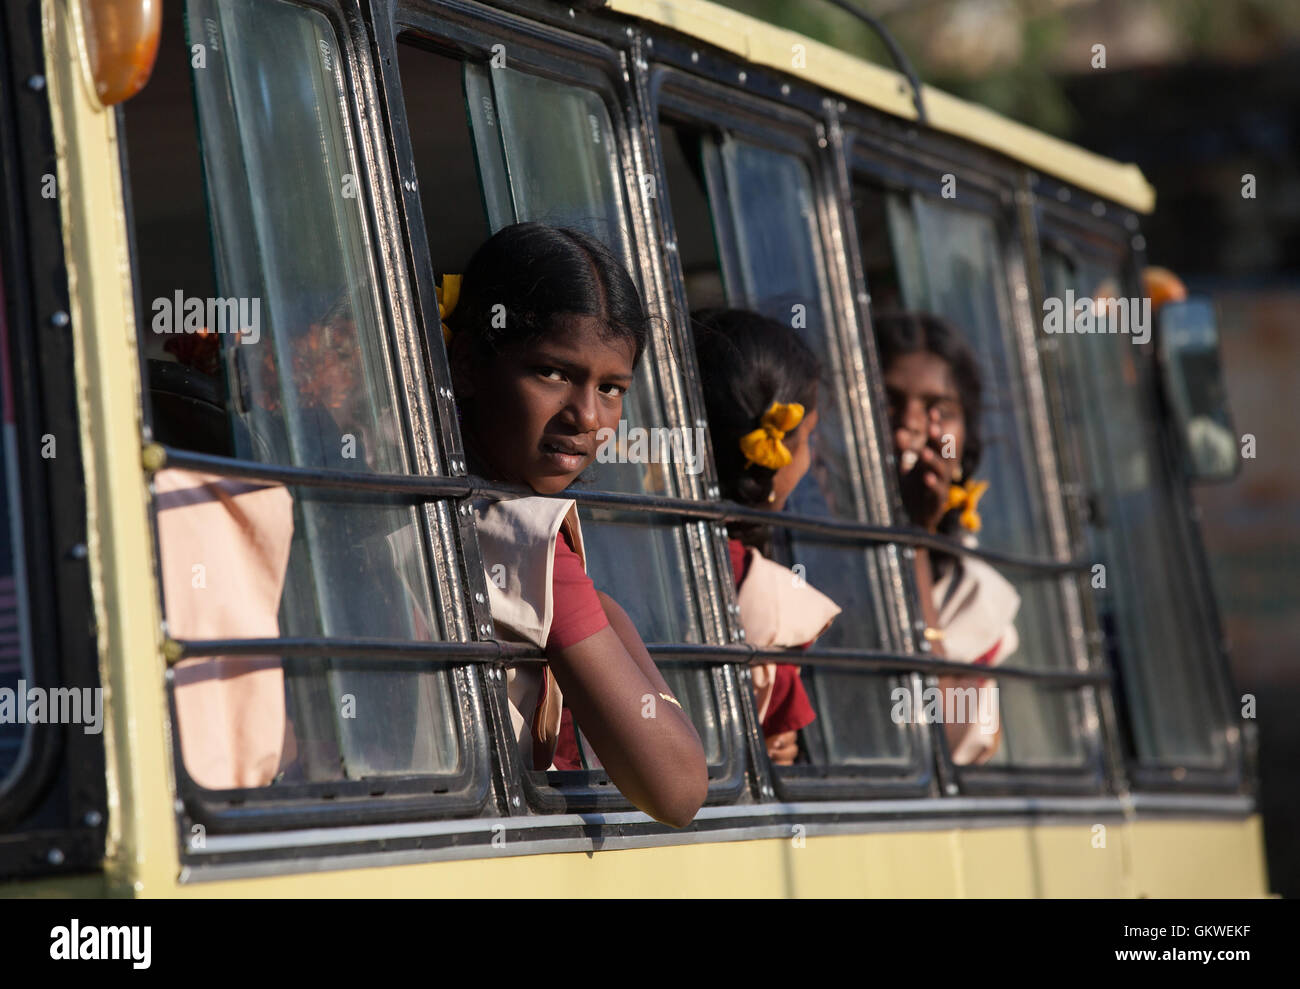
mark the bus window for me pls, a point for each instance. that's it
(546, 151)
(1156, 631)
(304, 378)
(948, 262)
(768, 257)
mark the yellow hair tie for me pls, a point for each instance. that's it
(448, 295)
(966, 498)
(763, 446)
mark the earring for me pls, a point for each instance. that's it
(771, 497)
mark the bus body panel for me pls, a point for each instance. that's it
(1142, 858)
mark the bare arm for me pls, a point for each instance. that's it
(646, 743)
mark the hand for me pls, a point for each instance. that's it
(655, 759)
(924, 486)
(783, 747)
(976, 711)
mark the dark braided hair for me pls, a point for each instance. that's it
(747, 362)
(537, 272)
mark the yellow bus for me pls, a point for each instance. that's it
(164, 164)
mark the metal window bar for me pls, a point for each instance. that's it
(497, 651)
(156, 456)
(418, 487)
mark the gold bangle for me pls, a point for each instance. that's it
(933, 634)
(672, 700)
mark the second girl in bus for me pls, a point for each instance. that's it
(544, 340)
(760, 393)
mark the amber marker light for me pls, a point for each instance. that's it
(118, 41)
(1161, 286)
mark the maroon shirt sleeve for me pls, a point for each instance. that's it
(739, 561)
(567, 756)
(577, 613)
(789, 709)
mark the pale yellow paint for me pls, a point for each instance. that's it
(141, 852)
(1173, 859)
(887, 90)
(1184, 857)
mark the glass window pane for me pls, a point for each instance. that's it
(950, 263)
(561, 156)
(314, 385)
(1155, 632)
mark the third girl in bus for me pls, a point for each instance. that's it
(933, 388)
(760, 393)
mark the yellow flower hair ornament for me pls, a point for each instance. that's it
(763, 446)
(448, 295)
(966, 497)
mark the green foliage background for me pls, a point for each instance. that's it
(1055, 39)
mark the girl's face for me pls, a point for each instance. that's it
(799, 443)
(922, 394)
(537, 408)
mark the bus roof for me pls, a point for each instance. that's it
(889, 91)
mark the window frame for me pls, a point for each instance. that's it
(405, 797)
(1093, 227)
(54, 802)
